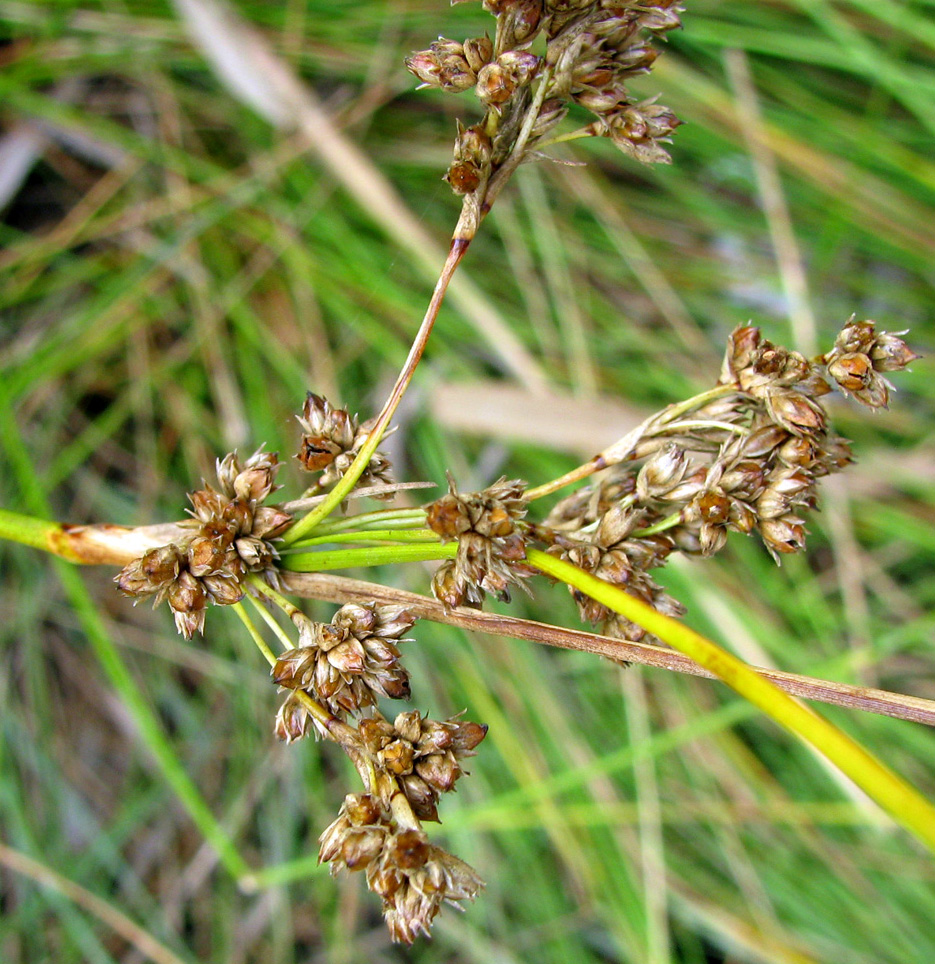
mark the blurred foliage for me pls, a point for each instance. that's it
(175, 274)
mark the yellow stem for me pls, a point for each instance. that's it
(907, 806)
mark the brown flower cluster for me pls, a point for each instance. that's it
(491, 543)
(346, 664)
(406, 765)
(613, 554)
(592, 50)
(232, 536)
(860, 355)
(412, 876)
(332, 439)
(423, 755)
(746, 460)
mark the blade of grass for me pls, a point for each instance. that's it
(107, 653)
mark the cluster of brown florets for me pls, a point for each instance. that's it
(412, 876)
(747, 461)
(332, 439)
(338, 671)
(592, 50)
(232, 535)
(346, 664)
(423, 755)
(860, 356)
(491, 542)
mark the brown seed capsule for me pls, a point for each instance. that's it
(852, 371)
(495, 85)
(714, 508)
(478, 51)
(270, 521)
(153, 571)
(291, 720)
(187, 594)
(783, 535)
(223, 588)
(520, 22)
(795, 412)
(408, 849)
(397, 757)
(190, 622)
(422, 798)
(662, 472)
(467, 736)
(890, 353)
(464, 177)
(362, 809)
(521, 65)
(439, 770)
(295, 667)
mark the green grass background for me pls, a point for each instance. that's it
(175, 274)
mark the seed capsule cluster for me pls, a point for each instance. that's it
(332, 439)
(424, 755)
(347, 664)
(491, 543)
(592, 50)
(412, 876)
(748, 461)
(232, 535)
(860, 357)
(407, 764)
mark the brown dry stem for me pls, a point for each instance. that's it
(328, 587)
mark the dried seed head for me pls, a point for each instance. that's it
(446, 65)
(661, 473)
(291, 720)
(331, 441)
(152, 573)
(347, 664)
(424, 754)
(860, 354)
(188, 599)
(357, 836)
(794, 411)
(414, 878)
(519, 22)
(495, 85)
(478, 51)
(491, 547)
(638, 130)
(521, 64)
(251, 482)
(783, 535)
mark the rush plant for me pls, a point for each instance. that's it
(745, 457)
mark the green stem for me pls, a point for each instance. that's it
(28, 530)
(366, 556)
(902, 801)
(266, 591)
(690, 424)
(565, 138)
(327, 720)
(270, 621)
(347, 482)
(372, 535)
(381, 519)
(669, 522)
(255, 634)
(610, 455)
(672, 412)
